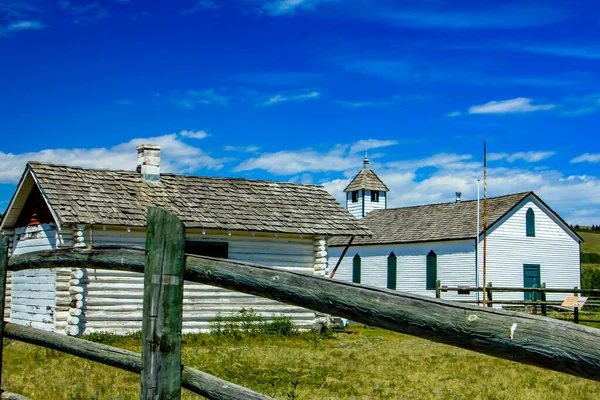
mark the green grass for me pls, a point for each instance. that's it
(592, 241)
(360, 364)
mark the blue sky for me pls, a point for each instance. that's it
(297, 90)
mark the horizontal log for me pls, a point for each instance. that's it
(198, 382)
(515, 336)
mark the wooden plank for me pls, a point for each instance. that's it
(163, 298)
(539, 341)
(3, 273)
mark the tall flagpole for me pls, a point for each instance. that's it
(477, 242)
(484, 223)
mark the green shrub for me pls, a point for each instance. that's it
(590, 258)
(590, 277)
(247, 322)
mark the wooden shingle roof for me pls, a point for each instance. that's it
(432, 222)
(367, 180)
(106, 197)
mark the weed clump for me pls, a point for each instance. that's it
(247, 323)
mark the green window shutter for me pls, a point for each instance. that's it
(356, 269)
(392, 270)
(530, 222)
(431, 270)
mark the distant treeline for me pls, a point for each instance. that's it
(593, 228)
(590, 258)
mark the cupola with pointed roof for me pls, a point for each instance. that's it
(366, 192)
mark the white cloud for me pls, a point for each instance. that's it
(362, 104)
(339, 158)
(576, 106)
(193, 134)
(454, 114)
(294, 162)
(193, 98)
(20, 26)
(84, 12)
(440, 160)
(176, 156)
(528, 156)
(242, 149)
(281, 98)
(518, 105)
(201, 5)
(587, 157)
(368, 144)
(288, 7)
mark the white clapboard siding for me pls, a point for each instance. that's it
(355, 208)
(374, 205)
(33, 301)
(509, 248)
(113, 299)
(455, 265)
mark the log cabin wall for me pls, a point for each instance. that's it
(112, 300)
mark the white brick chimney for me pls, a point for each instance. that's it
(149, 162)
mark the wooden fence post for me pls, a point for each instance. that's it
(534, 298)
(490, 297)
(3, 268)
(163, 304)
(438, 289)
(543, 298)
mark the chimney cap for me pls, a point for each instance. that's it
(148, 147)
(458, 195)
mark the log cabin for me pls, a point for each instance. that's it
(55, 206)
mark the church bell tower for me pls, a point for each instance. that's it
(366, 192)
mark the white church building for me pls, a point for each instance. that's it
(411, 247)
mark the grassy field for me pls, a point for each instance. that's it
(592, 241)
(360, 364)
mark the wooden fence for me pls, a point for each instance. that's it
(538, 294)
(519, 337)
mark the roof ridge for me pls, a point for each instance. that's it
(451, 202)
(177, 175)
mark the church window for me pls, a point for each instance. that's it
(530, 222)
(431, 270)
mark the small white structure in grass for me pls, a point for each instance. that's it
(271, 223)
(411, 247)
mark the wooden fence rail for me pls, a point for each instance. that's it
(538, 293)
(515, 336)
(196, 381)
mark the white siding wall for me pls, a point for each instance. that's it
(508, 248)
(33, 300)
(455, 265)
(374, 205)
(113, 300)
(355, 208)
